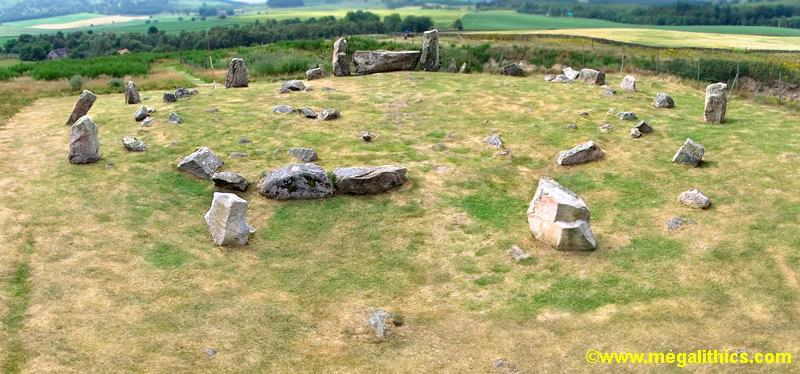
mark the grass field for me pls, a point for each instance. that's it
(110, 267)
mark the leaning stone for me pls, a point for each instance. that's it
(82, 106)
(284, 109)
(329, 114)
(371, 62)
(579, 154)
(229, 180)
(513, 69)
(493, 140)
(592, 76)
(237, 74)
(133, 144)
(571, 73)
(626, 116)
(307, 112)
(174, 118)
(169, 97)
(663, 100)
(293, 85)
(429, 59)
(463, 68)
(716, 103)
(315, 73)
(369, 180)
(383, 323)
(340, 61)
(690, 153)
(227, 220)
(694, 199)
(131, 93)
(303, 154)
(296, 181)
(203, 163)
(628, 83)
(558, 217)
(84, 144)
(518, 254)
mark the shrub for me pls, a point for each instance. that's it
(76, 82)
(116, 84)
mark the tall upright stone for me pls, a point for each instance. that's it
(237, 74)
(227, 220)
(716, 103)
(131, 93)
(429, 60)
(628, 83)
(85, 102)
(340, 61)
(560, 218)
(84, 145)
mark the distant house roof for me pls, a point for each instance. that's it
(122, 51)
(58, 53)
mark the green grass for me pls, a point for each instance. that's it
(122, 248)
(53, 20)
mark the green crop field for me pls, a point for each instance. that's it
(110, 267)
(53, 20)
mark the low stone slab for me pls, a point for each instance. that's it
(560, 218)
(690, 153)
(296, 181)
(293, 85)
(571, 73)
(579, 154)
(371, 62)
(230, 180)
(227, 220)
(626, 116)
(133, 144)
(203, 163)
(303, 154)
(329, 114)
(307, 112)
(283, 109)
(369, 180)
(592, 76)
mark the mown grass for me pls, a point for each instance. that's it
(122, 249)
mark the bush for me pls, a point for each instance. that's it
(116, 84)
(76, 82)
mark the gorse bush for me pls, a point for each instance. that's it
(114, 66)
(76, 82)
(116, 84)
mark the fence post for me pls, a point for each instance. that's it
(658, 64)
(698, 72)
(735, 79)
(622, 65)
(780, 87)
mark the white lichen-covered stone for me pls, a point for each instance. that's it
(560, 218)
(227, 220)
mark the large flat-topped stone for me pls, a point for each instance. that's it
(370, 62)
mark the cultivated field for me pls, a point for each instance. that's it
(110, 267)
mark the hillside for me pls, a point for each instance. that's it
(110, 266)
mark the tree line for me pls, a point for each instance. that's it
(677, 14)
(84, 44)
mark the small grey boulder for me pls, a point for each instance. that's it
(293, 85)
(284, 109)
(663, 100)
(694, 198)
(383, 323)
(303, 154)
(174, 118)
(229, 180)
(141, 114)
(579, 154)
(329, 114)
(493, 140)
(169, 97)
(690, 153)
(513, 69)
(315, 73)
(307, 112)
(133, 144)
(296, 181)
(203, 163)
(369, 180)
(627, 116)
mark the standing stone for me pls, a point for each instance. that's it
(558, 217)
(229, 180)
(84, 145)
(463, 68)
(452, 66)
(296, 181)
(514, 70)
(570, 73)
(85, 102)
(227, 220)
(716, 103)
(592, 76)
(340, 61)
(202, 163)
(369, 180)
(370, 62)
(690, 153)
(694, 198)
(628, 83)
(579, 154)
(131, 93)
(663, 100)
(315, 73)
(429, 59)
(237, 74)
